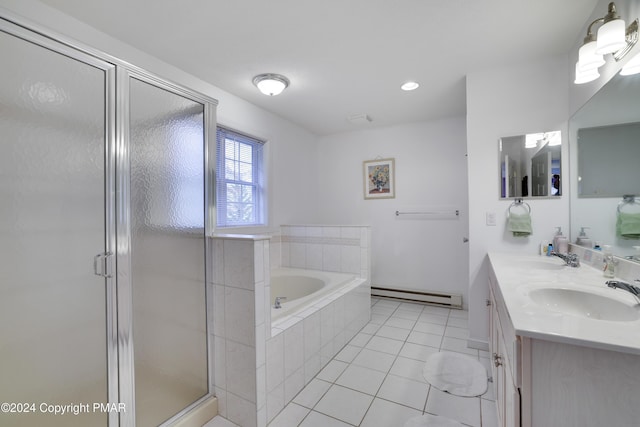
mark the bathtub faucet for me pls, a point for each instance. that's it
(277, 302)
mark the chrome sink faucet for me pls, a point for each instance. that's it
(572, 260)
(617, 284)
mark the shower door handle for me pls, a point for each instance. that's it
(101, 265)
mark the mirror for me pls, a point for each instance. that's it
(530, 165)
(604, 139)
(608, 160)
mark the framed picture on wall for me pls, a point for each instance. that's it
(379, 179)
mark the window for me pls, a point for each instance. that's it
(239, 189)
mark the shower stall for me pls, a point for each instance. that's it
(105, 205)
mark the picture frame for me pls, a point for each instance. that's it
(379, 179)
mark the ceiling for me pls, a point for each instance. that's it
(343, 57)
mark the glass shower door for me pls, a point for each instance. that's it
(167, 214)
(53, 307)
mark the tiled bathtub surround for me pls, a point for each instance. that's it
(344, 249)
(304, 342)
(258, 369)
(241, 320)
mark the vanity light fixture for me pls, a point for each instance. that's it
(613, 37)
(632, 67)
(271, 84)
(585, 76)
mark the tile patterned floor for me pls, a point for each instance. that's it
(376, 379)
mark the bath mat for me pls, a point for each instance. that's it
(456, 373)
(428, 420)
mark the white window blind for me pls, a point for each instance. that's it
(239, 186)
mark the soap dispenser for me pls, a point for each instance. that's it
(560, 242)
(583, 240)
(609, 262)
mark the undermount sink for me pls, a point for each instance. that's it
(586, 304)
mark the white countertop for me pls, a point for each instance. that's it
(517, 275)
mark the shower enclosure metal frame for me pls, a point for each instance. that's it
(117, 256)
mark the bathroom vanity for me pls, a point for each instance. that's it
(565, 348)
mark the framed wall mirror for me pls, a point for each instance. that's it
(604, 147)
(530, 165)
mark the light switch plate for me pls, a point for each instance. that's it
(491, 218)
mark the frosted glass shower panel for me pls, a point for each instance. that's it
(53, 329)
(168, 251)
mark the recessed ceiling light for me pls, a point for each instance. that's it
(410, 86)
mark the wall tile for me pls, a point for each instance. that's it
(220, 366)
(241, 371)
(239, 264)
(262, 416)
(261, 386)
(326, 353)
(241, 411)
(293, 384)
(258, 260)
(261, 345)
(259, 307)
(312, 366)
(218, 310)
(331, 257)
(285, 230)
(297, 255)
(275, 401)
(218, 261)
(266, 267)
(267, 310)
(314, 231)
(350, 259)
(275, 254)
(294, 349)
(311, 333)
(298, 231)
(221, 394)
(332, 232)
(339, 314)
(364, 237)
(314, 256)
(239, 315)
(326, 325)
(275, 362)
(284, 256)
(350, 232)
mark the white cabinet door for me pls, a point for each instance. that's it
(507, 394)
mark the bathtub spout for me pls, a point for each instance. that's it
(277, 302)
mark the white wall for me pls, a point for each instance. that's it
(430, 168)
(291, 149)
(515, 100)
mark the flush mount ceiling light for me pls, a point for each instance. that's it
(613, 38)
(410, 86)
(271, 84)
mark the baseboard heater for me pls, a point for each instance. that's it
(433, 298)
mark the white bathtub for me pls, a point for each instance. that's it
(302, 288)
(324, 311)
